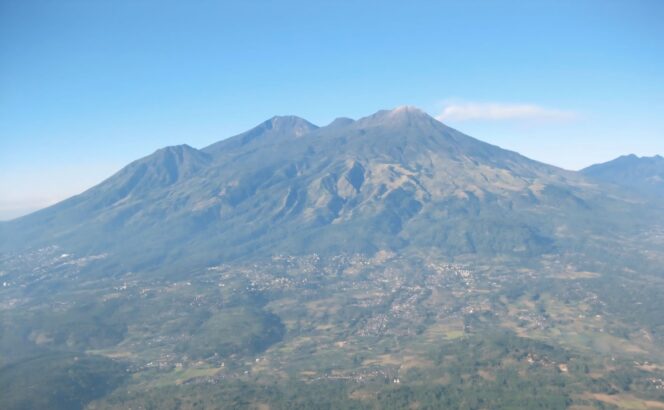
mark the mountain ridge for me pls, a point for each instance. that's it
(640, 175)
(396, 179)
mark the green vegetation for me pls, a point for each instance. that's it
(241, 330)
(58, 381)
(351, 331)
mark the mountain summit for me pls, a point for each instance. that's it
(397, 179)
(271, 131)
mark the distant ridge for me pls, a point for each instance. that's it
(643, 175)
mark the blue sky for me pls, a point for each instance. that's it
(88, 86)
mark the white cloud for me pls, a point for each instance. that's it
(465, 111)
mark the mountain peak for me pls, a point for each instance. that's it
(340, 122)
(634, 159)
(402, 115)
(628, 157)
(289, 123)
(176, 157)
(276, 128)
(408, 110)
(177, 149)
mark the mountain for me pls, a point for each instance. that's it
(643, 175)
(397, 179)
(385, 262)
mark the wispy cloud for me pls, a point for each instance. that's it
(465, 111)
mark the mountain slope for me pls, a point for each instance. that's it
(644, 175)
(397, 179)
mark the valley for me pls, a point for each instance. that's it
(369, 323)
